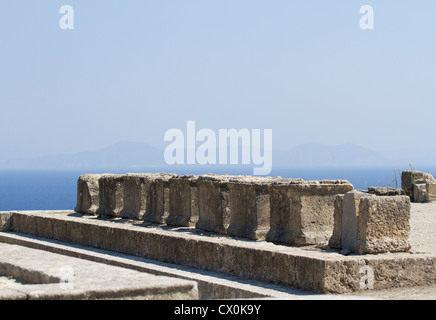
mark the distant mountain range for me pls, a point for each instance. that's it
(125, 154)
(130, 155)
(326, 155)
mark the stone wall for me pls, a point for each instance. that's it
(291, 211)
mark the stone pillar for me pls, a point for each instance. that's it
(302, 211)
(213, 203)
(420, 192)
(350, 215)
(383, 225)
(335, 241)
(249, 207)
(88, 198)
(136, 187)
(111, 195)
(159, 201)
(431, 191)
(183, 207)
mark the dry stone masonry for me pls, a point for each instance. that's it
(290, 211)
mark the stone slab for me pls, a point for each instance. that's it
(210, 285)
(307, 268)
(47, 275)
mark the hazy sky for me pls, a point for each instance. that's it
(130, 70)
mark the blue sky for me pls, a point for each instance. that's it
(130, 70)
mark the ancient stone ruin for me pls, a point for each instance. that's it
(290, 211)
(320, 236)
(419, 186)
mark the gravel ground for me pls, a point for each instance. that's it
(423, 227)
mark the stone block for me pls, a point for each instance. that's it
(335, 240)
(183, 206)
(88, 198)
(382, 191)
(213, 203)
(302, 211)
(412, 177)
(420, 192)
(5, 221)
(350, 215)
(159, 198)
(431, 191)
(383, 224)
(111, 195)
(249, 207)
(136, 187)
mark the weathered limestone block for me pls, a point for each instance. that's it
(111, 195)
(383, 224)
(431, 191)
(88, 198)
(5, 221)
(411, 177)
(136, 187)
(420, 192)
(302, 211)
(183, 206)
(350, 216)
(213, 203)
(335, 240)
(249, 207)
(159, 198)
(382, 191)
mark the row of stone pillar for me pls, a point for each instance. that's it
(285, 210)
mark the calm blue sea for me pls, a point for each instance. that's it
(56, 189)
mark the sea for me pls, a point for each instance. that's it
(57, 189)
